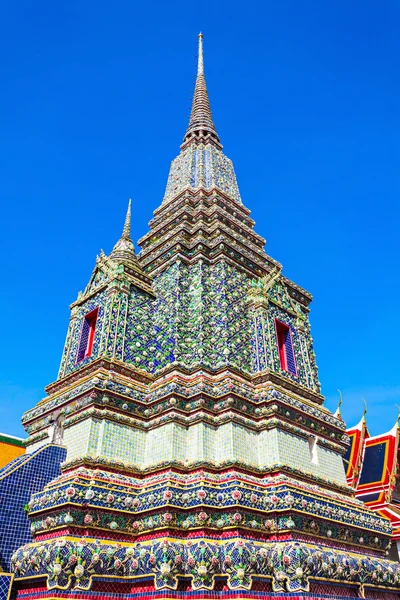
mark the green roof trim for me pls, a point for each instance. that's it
(13, 441)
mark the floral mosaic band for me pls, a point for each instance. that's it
(68, 564)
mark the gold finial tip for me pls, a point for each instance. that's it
(365, 407)
(200, 34)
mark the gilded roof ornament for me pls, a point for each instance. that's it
(365, 407)
(337, 412)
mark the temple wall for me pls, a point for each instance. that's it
(201, 443)
(68, 361)
(264, 345)
(331, 466)
(33, 447)
(245, 444)
(267, 448)
(79, 438)
(295, 451)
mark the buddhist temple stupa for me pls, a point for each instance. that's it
(184, 450)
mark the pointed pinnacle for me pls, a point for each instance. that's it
(200, 63)
(337, 412)
(126, 233)
(365, 407)
(201, 123)
(124, 250)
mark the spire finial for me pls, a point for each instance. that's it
(201, 125)
(365, 407)
(398, 414)
(338, 412)
(124, 250)
(126, 233)
(200, 63)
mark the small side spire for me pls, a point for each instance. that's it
(201, 124)
(126, 233)
(124, 250)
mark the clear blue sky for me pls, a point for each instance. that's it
(305, 96)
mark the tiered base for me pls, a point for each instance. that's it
(201, 567)
(261, 590)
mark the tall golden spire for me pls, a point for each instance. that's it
(201, 124)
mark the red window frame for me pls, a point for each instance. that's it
(282, 334)
(90, 319)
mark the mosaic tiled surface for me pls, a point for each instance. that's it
(289, 566)
(203, 166)
(70, 355)
(199, 442)
(6, 580)
(262, 590)
(201, 316)
(18, 480)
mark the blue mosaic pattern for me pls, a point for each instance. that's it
(5, 585)
(11, 466)
(69, 360)
(288, 565)
(200, 317)
(17, 483)
(299, 348)
(276, 504)
(202, 165)
(291, 363)
(83, 342)
(139, 336)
